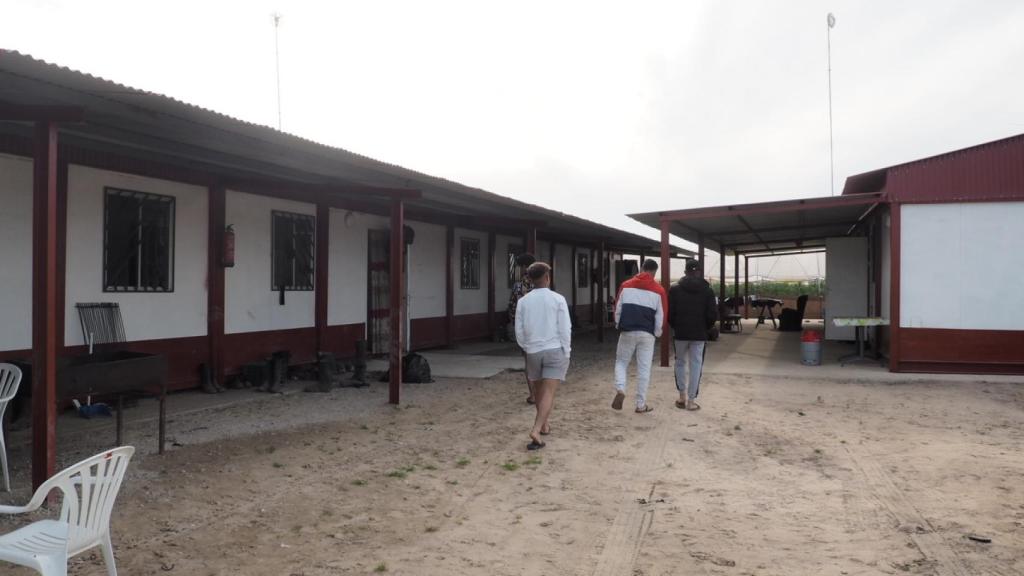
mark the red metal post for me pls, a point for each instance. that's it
(736, 275)
(746, 287)
(449, 287)
(575, 281)
(894, 287)
(700, 252)
(217, 216)
(721, 277)
(666, 281)
(321, 296)
(531, 241)
(600, 292)
(492, 248)
(551, 260)
(397, 292)
(45, 339)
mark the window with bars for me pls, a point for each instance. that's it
(582, 271)
(138, 241)
(469, 268)
(292, 261)
(514, 251)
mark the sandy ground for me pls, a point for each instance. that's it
(774, 476)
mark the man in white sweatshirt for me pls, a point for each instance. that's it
(544, 331)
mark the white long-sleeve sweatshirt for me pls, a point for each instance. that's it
(542, 322)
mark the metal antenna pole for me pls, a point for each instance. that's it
(830, 22)
(277, 65)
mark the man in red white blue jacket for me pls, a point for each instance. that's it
(640, 311)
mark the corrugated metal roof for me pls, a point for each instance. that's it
(159, 124)
(986, 172)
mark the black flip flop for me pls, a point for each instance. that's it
(545, 433)
(534, 445)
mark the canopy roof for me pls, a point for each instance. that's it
(789, 226)
(144, 125)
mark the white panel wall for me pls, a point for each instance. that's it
(427, 270)
(348, 265)
(146, 316)
(583, 294)
(250, 304)
(15, 253)
(962, 266)
(563, 271)
(886, 262)
(471, 301)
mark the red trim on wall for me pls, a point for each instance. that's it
(492, 247)
(244, 347)
(470, 326)
(8, 355)
(948, 350)
(321, 277)
(341, 339)
(397, 293)
(449, 286)
(428, 332)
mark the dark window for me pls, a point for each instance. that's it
(513, 270)
(138, 242)
(469, 268)
(582, 271)
(292, 261)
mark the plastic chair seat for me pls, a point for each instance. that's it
(42, 545)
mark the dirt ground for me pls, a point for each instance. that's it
(774, 476)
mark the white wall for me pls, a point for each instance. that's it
(15, 253)
(348, 265)
(427, 270)
(886, 263)
(563, 271)
(250, 304)
(583, 294)
(146, 316)
(471, 301)
(962, 266)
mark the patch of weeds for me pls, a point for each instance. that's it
(429, 467)
(510, 466)
(364, 427)
(278, 465)
(382, 567)
(532, 461)
(431, 529)
(359, 482)
(453, 482)
(462, 462)
(397, 474)
(819, 451)
(270, 449)
(737, 428)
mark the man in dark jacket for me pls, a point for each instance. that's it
(691, 313)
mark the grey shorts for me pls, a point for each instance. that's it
(547, 365)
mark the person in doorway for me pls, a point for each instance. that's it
(544, 331)
(639, 315)
(692, 312)
(521, 288)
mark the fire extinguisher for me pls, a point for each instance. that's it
(228, 258)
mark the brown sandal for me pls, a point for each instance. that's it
(644, 409)
(681, 404)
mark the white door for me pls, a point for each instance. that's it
(846, 275)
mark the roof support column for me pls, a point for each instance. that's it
(397, 282)
(721, 278)
(736, 275)
(217, 216)
(551, 260)
(894, 287)
(601, 257)
(45, 301)
(574, 280)
(591, 266)
(746, 287)
(491, 251)
(666, 280)
(322, 295)
(531, 241)
(700, 252)
(449, 287)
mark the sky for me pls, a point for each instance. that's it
(594, 108)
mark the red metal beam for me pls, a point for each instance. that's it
(492, 248)
(531, 240)
(666, 281)
(735, 275)
(45, 339)
(217, 216)
(721, 277)
(397, 292)
(601, 256)
(574, 280)
(321, 296)
(449, 287)
(894, 287)
(551, 260)
(746, 287)
(769, 207)
(20, 113)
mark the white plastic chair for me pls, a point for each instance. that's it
(89, 489)
(10, 379)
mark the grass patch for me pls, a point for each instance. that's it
(364, 427)
(382, 567)
(453, 482)
(532, 461)
(510, 466)
(401, 472)
(359, 482)
(429, 467)
(431, 529)
(278, 465)
(462, 462)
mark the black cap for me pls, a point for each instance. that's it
(692, 265)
